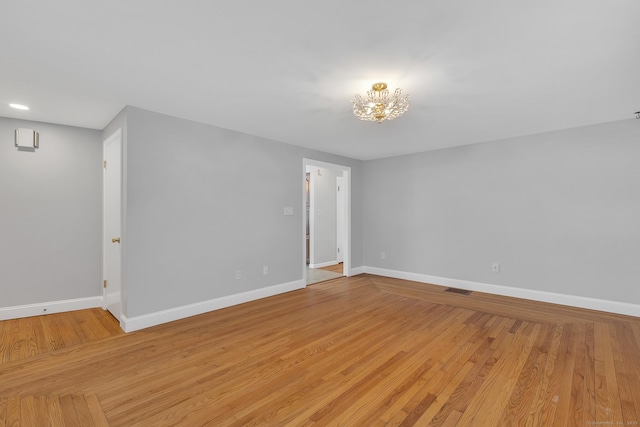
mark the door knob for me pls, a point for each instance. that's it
(116, 240)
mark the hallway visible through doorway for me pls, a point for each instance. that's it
(327, 220)
(317, 275)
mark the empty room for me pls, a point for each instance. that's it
(296, 213)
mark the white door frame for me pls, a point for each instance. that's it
(346, 173)
(340, 235)
(115, 137)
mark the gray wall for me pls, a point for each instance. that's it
(203, 202)
(50, 215)
(559, 211)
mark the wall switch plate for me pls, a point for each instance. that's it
(265, 270)
(28, 138)
(288, 210)
(383, 255)
(238, 274)
(495, 267)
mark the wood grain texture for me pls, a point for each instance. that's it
(30, 336)
(359, 351)
(336, 268)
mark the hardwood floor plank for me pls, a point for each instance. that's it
(51, 329)
(503, 377)
(365, 350)
(412, 386)
(28, 342)
(68, 410)
(336, 268)
(349, 350)
(589, 372)
(343, 401)
(452, 419)
(69, 330)
(342, 372)
(3, 410)
(528, 382)
(622, 374)
(468, 387)
(608, 410)
(576, 404)
(250, 379)
(630, 363)
(414, 415)
(443, 389)
(82, 410)
(564, 377)
(5, 341)
(54, 411)
(26, 411)
(547, 400)
(39, 337)
(19, 341)
(41, 412)
(455, 360)
(30, 336)
(13, 411)
(109, 323)
(456, 363)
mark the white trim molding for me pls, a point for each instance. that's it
(38, 309)
(530, 294)
(130, 324)
(323, 264)
(346, 244)
(355, 271)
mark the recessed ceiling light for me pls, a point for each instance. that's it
(19, 106)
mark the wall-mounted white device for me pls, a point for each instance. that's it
(27, 138)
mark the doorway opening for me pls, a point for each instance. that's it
(326, 203)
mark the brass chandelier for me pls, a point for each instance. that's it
(379, 105)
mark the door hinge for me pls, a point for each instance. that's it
(104, 164)
(104, 283)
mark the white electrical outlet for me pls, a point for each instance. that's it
(265, 270)
(238, 274)
(383, 255)
(495, 267)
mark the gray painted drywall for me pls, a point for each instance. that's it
(203, 202)
(323, 205)
(559, 211)
(50, 215)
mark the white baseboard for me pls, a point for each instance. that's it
(28, 310)
(531, 294)
(323, 264)
(157, 318)
(356, 271)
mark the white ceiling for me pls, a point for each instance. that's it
(287, 69)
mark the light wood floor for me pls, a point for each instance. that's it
(336, 268)
(361, 351)
(30, 336)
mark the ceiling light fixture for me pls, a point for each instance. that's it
(379, 105)
(19, 106)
